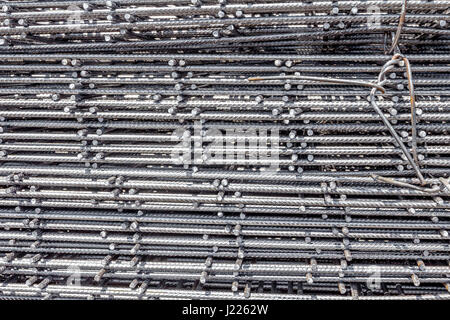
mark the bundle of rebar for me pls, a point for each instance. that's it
(224, 149)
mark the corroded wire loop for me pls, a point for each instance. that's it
(375, 87)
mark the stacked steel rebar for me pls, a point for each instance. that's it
(131, 134)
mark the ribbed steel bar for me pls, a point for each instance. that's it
(141, 159)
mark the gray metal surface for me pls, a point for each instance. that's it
(225, 149)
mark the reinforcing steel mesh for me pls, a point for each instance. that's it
(225, 149)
